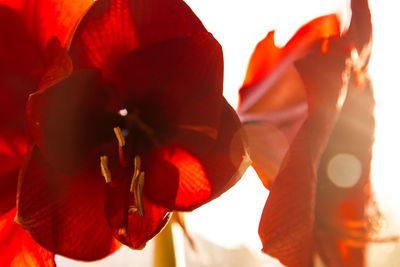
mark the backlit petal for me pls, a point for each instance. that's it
(286, 228)
(47, 18)
(62, 213)
(131, 229)
(203, 177)
(111, 28)
(269, 62)
(18, 248)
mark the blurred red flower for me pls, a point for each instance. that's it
(26, 49)
(136, 129)
(307, 109)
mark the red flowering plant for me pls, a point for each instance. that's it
(128, 127)
(31, 35)
(307, 108)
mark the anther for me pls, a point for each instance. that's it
(137, 165)
(104, 168)
(136, 170)
(120, 136)
(138, 184)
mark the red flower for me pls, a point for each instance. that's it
(137, 129)
(306, 107)
(26, 28)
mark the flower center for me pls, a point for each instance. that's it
(137, 180)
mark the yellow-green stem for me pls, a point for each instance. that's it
(164, 248)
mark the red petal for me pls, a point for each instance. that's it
(13, 149)
(131, 229)
(20, 66)
(62, 213)
(286, 228)
(111, 28)
(268, 63)
(58, 64)
(68, 119)
(182, 79)
(8, 191)
(273, 115)
(205, 176)
(194, 187)
(18, 248)
(161, 180)
(48, 18)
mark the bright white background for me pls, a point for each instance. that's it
(232, 220)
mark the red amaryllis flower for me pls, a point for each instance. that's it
(137, 129)
(28, 32)
(307, 109)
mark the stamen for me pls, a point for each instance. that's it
(137, 165)
(138, 193)
(104, 168)
(120, 136)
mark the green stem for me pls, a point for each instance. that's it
(164, 248)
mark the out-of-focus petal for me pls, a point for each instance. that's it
(131, 229)
(269, 62)
(273, 102)
(48, 18)
(203, 177)
(330, 220)
(18, 248)
(286, 228)
(182, 79)
(68, 119)
(62, 213)
(342, 221)
(360, 30)
(111, 28)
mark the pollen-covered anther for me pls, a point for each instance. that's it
(121, 143)
(136, 170)
(137, 165)
(137, 184)
(138, 193)
(104, 168)
(120, 136)
(137, 190)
